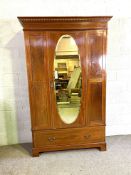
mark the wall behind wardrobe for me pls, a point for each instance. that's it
(14, 104)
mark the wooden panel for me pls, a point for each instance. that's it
(37, 67)
(40, 106)
(38, 60)
(95, 44)
(69, 136)
(95, 103)
(96, 75)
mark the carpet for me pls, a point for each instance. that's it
(16, 160)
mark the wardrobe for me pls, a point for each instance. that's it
(66, 66)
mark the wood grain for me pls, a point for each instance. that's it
(69, 136)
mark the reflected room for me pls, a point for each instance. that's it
(67, 79)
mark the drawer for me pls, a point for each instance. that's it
(71, 136)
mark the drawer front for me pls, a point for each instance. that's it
(69, 136)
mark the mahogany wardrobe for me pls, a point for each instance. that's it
(65, 59)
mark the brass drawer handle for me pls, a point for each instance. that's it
(51, 139)
(87, 136)
(54, 138)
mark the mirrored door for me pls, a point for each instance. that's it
(67, 84)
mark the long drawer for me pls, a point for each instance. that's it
(71, 136)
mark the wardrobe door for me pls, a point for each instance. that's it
(37, 66)
(96, 46)
(65, 101)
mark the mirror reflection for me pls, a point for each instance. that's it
(67, 79)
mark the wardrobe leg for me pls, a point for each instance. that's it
(103, 147)
(35, 153)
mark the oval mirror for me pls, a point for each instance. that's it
(67, 79)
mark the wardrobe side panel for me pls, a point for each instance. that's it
(37, 67)
(96, 41)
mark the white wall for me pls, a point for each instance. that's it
(14, 104)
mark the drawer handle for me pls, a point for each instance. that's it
(51, 139)
(87, 136)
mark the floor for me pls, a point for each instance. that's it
(16, 160)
